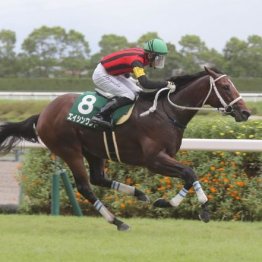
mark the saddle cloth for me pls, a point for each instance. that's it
(89, 104)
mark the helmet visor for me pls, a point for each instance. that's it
(160, 61)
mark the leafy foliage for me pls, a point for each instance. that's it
(53, 51)
(231, 180)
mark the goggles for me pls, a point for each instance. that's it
(159, 61)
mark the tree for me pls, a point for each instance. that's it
(211, 58)
(93, 62)
(191, 49)
(26, 65)
(192, 44)
(253, 56)
(234, 53)
(111, 43)
(76, 53)
(45, 46)
(146, 37)
(51, 50)
(196, 55)
(173, 61)
(7, 53)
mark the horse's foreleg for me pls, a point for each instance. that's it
(168, 166)
(98, 178)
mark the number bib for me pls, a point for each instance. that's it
(89, 104)
(85, 107)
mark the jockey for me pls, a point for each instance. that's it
(112, 76)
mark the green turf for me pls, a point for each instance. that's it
(43, 238)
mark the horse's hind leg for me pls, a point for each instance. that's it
(74, 160)
(98, 178)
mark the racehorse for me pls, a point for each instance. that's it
(148, 139)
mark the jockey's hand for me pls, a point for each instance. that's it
(171, 86)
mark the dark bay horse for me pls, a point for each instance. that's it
(150, 140)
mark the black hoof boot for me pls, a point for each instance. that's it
(121, 226)
(161, 202)
(204, 213)
(141, 196)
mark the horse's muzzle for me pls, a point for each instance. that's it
(241, 115)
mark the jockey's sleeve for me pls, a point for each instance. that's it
(149, 84)
(144, 81)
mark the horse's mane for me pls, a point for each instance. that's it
(182, 81)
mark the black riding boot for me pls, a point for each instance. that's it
(103, 117)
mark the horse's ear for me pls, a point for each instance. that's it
(210, 72)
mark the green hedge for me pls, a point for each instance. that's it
(219, 127)
(248, 84)
(46, 84)
(18, 110)
(78, 84)
(232, 180)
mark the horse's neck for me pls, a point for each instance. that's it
(191, 96)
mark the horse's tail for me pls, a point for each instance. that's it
(12, 133)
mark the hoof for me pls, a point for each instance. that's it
(161, 202)
(121, 226)
(144, 198)
(204, 214)
(141, 196)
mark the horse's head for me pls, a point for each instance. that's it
(224, 94)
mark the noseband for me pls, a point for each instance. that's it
(226, 109)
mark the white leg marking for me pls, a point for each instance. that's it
(175, 201)
(202, 198)
(104, 211)
(130, 190)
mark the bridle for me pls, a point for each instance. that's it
(226, 109)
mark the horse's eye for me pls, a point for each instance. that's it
(226, 87)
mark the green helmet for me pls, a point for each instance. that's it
(156, 46)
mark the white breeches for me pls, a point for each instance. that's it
(114, 85)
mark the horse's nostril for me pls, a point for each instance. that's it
(246, 114)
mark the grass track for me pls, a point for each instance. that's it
(45, 238)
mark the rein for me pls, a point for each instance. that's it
(227, 108)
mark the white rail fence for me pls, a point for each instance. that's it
(187, 144)
(235, 145)
(51, 95)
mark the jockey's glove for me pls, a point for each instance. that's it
(171, 86)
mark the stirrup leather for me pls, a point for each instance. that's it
(100, 121)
